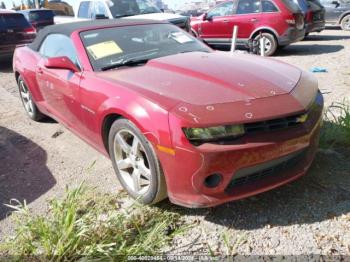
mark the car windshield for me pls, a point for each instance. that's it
(134, 45)
(121, 8)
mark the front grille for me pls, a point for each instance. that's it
(275, 124)
(264, 171)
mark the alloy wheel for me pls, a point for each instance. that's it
(26, 98)
(268, 44)
(346, 23)
(132, 161)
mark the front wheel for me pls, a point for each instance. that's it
(270, 43)
(345, 23)
(135, 163)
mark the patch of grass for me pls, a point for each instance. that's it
(336, 129)
(232, 246)
(92, 226)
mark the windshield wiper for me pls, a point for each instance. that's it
(129, 62)
(125, 15)
(191, 51)
(133, 61)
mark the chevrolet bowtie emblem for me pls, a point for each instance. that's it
(302, 118)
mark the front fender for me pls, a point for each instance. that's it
(150, 118)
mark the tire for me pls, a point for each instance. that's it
(345, 23)
(306, 35)
(194, 33)
(281, 47)
(135, 163)
(270, 40)
(28, 102)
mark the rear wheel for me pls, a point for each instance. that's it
(135, 163)
(28, 102)
(270, 43)
(306, 35)
(345, 23)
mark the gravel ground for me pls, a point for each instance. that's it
(309, 216)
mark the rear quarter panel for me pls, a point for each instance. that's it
(274, 21)
(25, 62)
(279, 19)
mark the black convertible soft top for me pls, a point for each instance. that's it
(68, 28)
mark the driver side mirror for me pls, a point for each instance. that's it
(61, 62)
(207, 17)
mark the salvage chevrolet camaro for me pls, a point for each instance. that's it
(176, 118)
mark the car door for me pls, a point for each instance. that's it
(217, 24)
(60, 87)
(333, 10)
(247, 18)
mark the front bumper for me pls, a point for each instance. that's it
(263, 162)
(290, 36)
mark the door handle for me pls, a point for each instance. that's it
(226, 21)
(253, 20)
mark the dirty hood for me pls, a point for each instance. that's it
(207, 78)
(156, 16)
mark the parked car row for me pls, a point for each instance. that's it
(14, 30)
(134, 9)
(39, 18)
(279, 22)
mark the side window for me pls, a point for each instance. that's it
(268, 6)
(85, 10)
(100, 9)
(58, 45)
(224, 9)
(248, 7)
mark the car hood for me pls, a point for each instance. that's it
(208, 78)
(156, 16)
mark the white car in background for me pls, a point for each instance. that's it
(110, 9)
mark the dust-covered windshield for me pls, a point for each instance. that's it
(109, 48)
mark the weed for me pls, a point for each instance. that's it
(336, 129)
(91, 226)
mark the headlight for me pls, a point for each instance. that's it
(214, 133)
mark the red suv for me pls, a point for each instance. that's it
(280, 22)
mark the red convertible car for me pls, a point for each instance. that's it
(176, 118)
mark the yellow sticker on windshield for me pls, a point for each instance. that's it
(104, 49)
